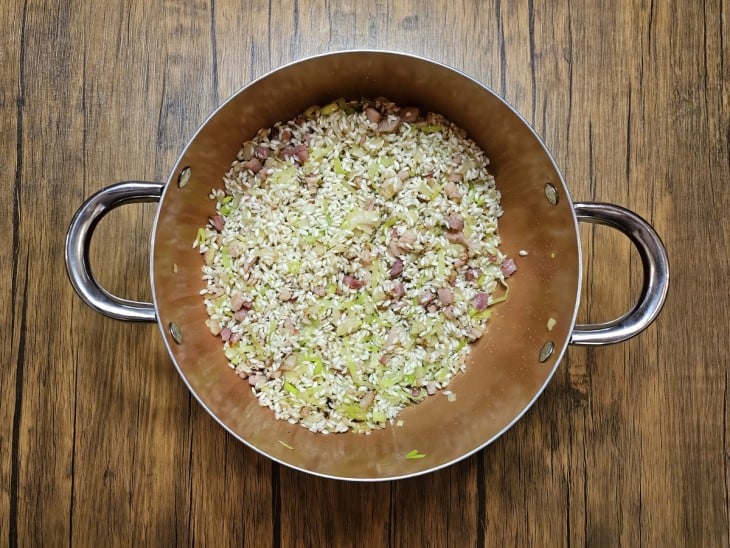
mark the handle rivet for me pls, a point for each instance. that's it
(546, 351)
(176, 333)
(184, 177)
(551, 193)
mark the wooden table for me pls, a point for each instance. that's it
(100, 442)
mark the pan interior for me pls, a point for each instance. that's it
(504, 373)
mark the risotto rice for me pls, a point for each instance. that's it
(353, 259)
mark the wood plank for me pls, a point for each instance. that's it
(681, 447)
(610, 497)
(50, 80)
(13, 313)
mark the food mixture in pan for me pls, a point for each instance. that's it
(353, 259)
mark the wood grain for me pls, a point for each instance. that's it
(100, 442)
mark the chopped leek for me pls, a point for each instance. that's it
(503, 297)
(354, 412)
(376, 273)
(373, 168)
(316, 361)
(328, 109)
(346, 305)
(225, 206)
(379, 416)
(412, 455)
(352, 368)
(364, 220)
(226, 261)
(436, 193)
(200, 239)
(431, 129)
(293, 267)
(337, 166)
(258, 348)
(480, 314)
(346, 107)
(441, 263)
(349, 326)
(311, 111)
(316, 154)
(389, 222)
(285, 176)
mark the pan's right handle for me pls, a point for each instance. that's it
(78, 239)
(656, 275)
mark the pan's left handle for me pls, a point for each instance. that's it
(78, 239)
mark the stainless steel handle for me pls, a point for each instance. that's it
(656, 275)
(77, 249)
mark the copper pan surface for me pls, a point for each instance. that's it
(504, 374)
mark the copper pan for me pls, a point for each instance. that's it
(508, 368)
